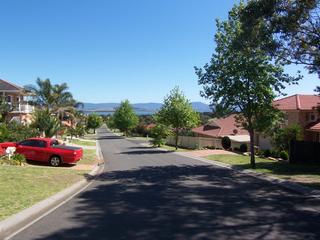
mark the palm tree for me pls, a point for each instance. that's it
(56, 99)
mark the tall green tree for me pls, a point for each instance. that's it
(124, 118)
(94, 121)
(177, 113)
(242, 77)
(294, 26)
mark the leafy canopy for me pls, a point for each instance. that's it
(177, 112)
(294, 27)
(94, 121)
(242, 77)
(124, 118)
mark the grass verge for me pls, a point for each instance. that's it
(305, 174)
(89, 156)
(83, 143)
(21, 187)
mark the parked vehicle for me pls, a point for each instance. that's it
(1, 151)
(46, 150)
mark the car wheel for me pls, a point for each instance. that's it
(55, 161)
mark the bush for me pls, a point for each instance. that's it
(267, 153)
(16, 159)
(15, 132)
(159, 134)
(226, 143)
(275, 153)
(284, 155)
(157, 141)
(243, 147)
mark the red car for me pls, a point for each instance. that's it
(46, 150)
(1, 151)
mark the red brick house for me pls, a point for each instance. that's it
(302, 110)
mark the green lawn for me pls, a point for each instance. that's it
(21, 187)
(305, 174)
(83, 143)
(89, 156)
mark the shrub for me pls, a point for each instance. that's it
(284, 155)
(275, 153)
(157, 142)
(16, 159)
(159, 134)
(226, 142)
(243, 147)
(15, 132)
(267, 153)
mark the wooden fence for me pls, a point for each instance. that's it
(195, 142)
(304, 152)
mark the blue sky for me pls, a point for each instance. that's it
(110, 50)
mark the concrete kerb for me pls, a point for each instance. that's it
(25, 218)
(274, 180)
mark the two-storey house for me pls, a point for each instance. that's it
(17, 98)
(303, 110)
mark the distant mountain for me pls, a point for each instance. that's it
(139, 107)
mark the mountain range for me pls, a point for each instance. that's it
(139, 107)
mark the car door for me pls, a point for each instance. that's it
(26, 148)
(39, 150)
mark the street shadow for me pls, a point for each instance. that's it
(185, 202)
(140, 152)
(140, 147)
(109, 137)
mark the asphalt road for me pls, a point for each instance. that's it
(149, 194)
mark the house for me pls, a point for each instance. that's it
(303, 110)
(17, 98)
(221, 127)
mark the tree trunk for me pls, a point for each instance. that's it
(94, 131)
(176, 140)
(252, 156)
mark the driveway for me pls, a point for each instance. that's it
(145, 193)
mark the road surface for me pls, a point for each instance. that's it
(145, 193)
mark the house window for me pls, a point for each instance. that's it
(9, 99)
(311, 117)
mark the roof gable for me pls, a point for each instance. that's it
(7, 86)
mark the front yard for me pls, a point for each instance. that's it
(23, 186)
(305, 174)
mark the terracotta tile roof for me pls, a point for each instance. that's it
(221, 127)
(8, 86)
(314, 127)
(298, 102)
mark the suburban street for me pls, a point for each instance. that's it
(145, 193)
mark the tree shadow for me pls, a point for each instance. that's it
(151, 151)
(109, 137)
(185, 202)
